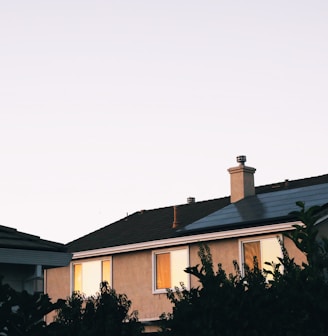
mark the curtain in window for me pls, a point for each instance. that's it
(163, 271)
(78, 277)
(106, 271)
(252, 249)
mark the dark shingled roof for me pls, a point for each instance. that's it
(19, 248)
(145, 225)
(13, 239)
(262, 208)
(156, 224)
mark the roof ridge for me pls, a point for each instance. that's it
(157, 222)
(292, 184)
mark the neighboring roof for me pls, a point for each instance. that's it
(156, 224)
(21, 248)
(47, 259)
(10, 237)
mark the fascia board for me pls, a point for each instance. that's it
(34, 257)
(265, 229)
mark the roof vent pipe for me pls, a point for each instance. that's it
(175, 217)
(191, 200)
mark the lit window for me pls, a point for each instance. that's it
(169, 269)
(88, 275)
(265, 250)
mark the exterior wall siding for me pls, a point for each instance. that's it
(132, 274)
(223, 251)
(294, 252)
(57, 286)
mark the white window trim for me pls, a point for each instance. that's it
(81, 261)
(167, 250)
(241, 241)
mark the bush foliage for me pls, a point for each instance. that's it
(106, 313)
(293, 302)
(22, 313)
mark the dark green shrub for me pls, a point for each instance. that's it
(107, 313)
(294, 302)
(22, 313)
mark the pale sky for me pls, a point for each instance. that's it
(111, 107)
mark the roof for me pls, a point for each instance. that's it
(10, 237)
(145, 225)
(262, 208)
(156, 224)
(22, 248)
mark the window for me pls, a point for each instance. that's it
(169, 269)
(88, 275)
(265, 249)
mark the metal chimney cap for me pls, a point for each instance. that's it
(241, 159)
(191, 200)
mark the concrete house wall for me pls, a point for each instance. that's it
(132, 274)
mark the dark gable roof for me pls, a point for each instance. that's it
(19, 248)
(261, 208)
(11, 238)
(156, 224)
(146, 225)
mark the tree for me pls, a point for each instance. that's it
(294, 302)
(106, 313)
(22, 313)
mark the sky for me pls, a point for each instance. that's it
(111, 107)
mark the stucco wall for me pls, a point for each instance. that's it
(294, 252)
(57, 285)
(132, 275)
(223, 251)
(227, 250)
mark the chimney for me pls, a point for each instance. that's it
(241, 180)
(175, 217)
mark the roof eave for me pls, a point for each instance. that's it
(48, 259)
(187, 239)
(237, 225)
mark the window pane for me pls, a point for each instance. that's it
(91, 275)
(179, 261)
(270, 250)
(77, 277)
(163, 271)
(106, 271)
(252, 249)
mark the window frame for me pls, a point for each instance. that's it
(154, 267)
(253, 239)
(101, 276)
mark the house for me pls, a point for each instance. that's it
(143, 254)
(25, 257)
